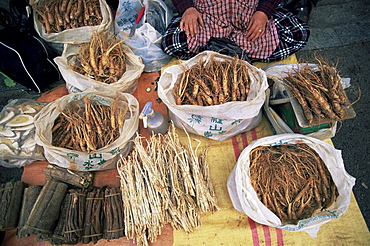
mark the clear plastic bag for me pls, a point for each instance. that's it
(147, 38)
(17, 132)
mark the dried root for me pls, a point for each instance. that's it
(102, 59)
(164, 182)
(319, 92)
(87, 126)
(60, 15)
(291, 180)
(213, 83)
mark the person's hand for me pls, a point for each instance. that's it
(190, 20)
(257, 25)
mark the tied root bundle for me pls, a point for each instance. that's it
(292, 181)
(88, 126)
(164, 182)
(60, 15)
(102, 59)
(70, 217)
(80, 179)
(11, 195)
(213, 83)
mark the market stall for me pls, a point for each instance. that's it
(226, 226)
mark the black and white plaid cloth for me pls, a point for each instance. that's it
(293, 35)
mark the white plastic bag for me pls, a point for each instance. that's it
(76, 82)
(17, 133)
(157, 14)
(146, 41)
(217, 122)
(75, 35)
(102, 159)
(244, 197)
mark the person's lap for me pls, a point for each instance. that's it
(293, 36)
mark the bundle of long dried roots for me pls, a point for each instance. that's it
(86, 126)
(74, 220)
(93, 229)
(213, 82)
(60, 15)
(164, 182)
(319, 92)
(102, 59)
(88, 215)
(291, 180)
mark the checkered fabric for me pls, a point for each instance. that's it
(292, 33)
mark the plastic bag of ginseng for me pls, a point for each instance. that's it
(291, 181)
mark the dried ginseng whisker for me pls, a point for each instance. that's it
(164, 181)
(291, 180)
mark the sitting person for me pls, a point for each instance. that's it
(262, 29)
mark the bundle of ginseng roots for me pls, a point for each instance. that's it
(102, 59)
(60, 15)
(88, 215)
(291, 180)
(319, 92)
(88, 126)
(165, 182)
(213, 82)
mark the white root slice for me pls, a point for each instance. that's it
(5, 141)
(8, 116)
(28, 110)
(29, 142)
(20, 120)
(7, 133)
(16, 136)
(23, 128)
(4, 149)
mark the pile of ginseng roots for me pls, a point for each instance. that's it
(213, 82)
(164, 181)
(291, 180)
(319, 92)
(102, 59)
(86, 126)
(59, 15)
